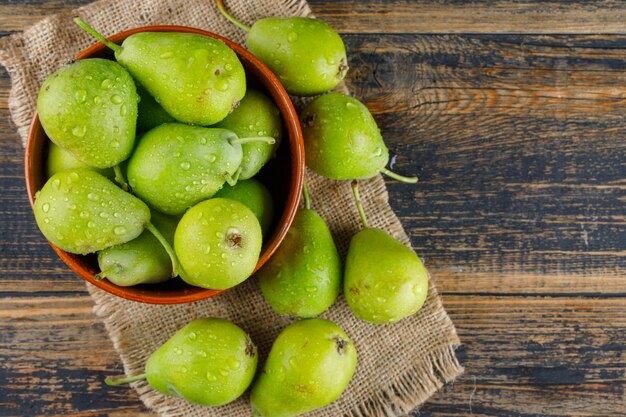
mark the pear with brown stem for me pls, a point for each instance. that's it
(306, 54)
(342, 140)
(384, 281)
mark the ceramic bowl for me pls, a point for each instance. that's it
(283, 175)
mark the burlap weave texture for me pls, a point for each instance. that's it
(400, 365)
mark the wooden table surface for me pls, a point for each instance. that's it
(514, 113)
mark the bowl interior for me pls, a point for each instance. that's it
(283, 176)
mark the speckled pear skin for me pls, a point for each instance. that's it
(303, 278)
(89, 108)
(255, 196)
(142, 260)
(384, 281)
(309, 366)
(82, 212)
(176, 166)
(218, 243)
(341, 138)
(196, 79)
(210, 362)
(61, 160)
(306, 54)
(256, 116)
(150, 114)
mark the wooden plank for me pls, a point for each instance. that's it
(523, 356)
(518, 143)
(462, 16)
(410, 16)
(536, 357)
(55, 358)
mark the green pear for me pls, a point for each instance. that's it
(303, 277)
(342, 140)
(176, 166)
(255, 196)
(209, 362)
(256, 116)
(142, 260)
(307, 55)
(197, 79)
(80, 211)
(61, 160)
(384, 281)
(150, 113)
(218, 243)
(309, 366)
(89, 108)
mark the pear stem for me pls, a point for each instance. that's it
(121, 381)
(357, 200)
(176, 267)
(120, 179)
(227, 15)
(229, 179)
(84, 26)
(305, 194)
(402, 178)
(267, 139)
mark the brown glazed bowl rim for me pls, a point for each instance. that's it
(296, 155)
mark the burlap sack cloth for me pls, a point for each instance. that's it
(399, 366)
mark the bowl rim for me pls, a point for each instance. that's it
(295, 139)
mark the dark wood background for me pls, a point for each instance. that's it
(514, 114)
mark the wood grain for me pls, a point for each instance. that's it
(411, 16)
(519, 143)
(536, 356)
(55, 359)
(517, 140)
(524, 356)
(461, 16)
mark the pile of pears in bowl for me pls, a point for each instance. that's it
(166, 165)
(230, 134)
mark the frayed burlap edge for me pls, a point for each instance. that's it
(20, 114)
